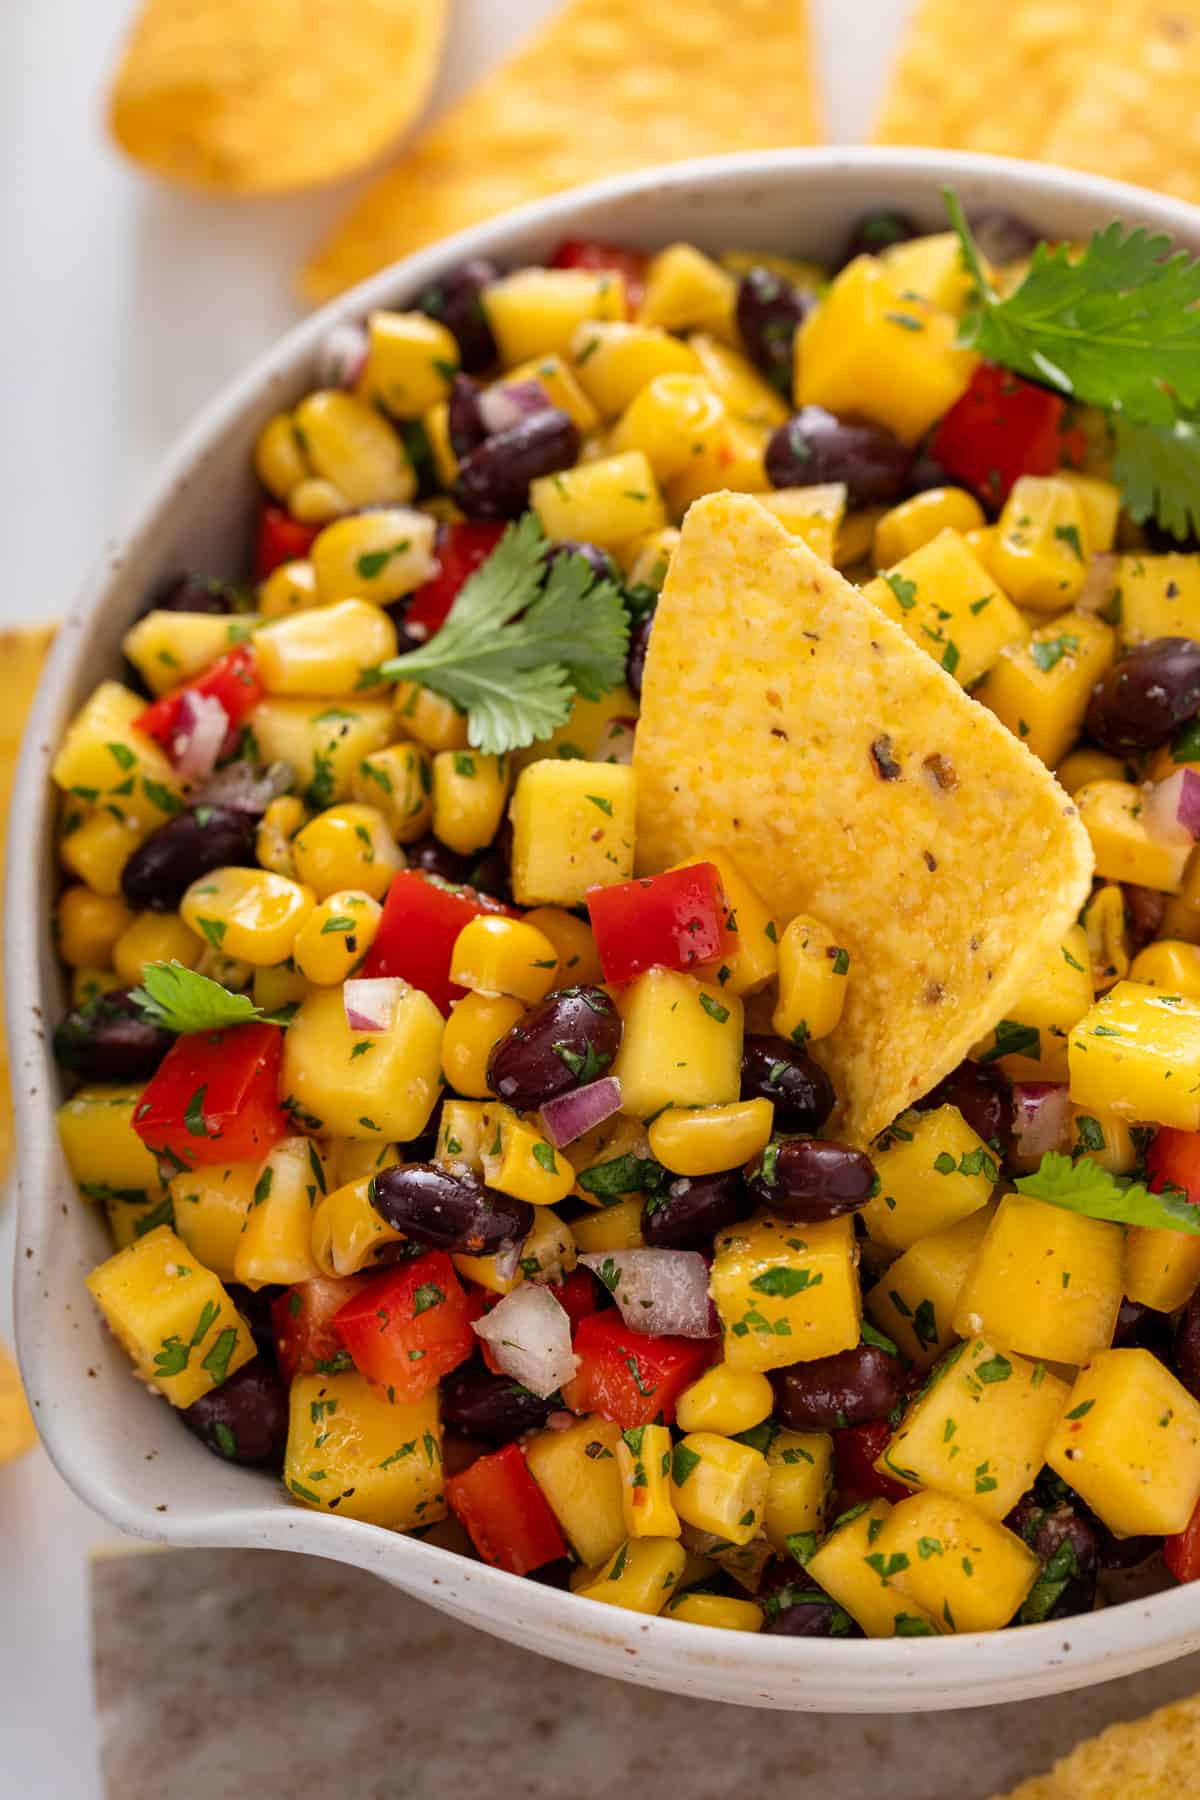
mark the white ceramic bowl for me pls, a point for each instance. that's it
(117, 1446)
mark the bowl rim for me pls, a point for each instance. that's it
(1160, 1621)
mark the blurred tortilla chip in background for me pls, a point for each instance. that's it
(261, 96)
(22, 654)
(605, 86)
(1155, 1758)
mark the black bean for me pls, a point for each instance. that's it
(1141, 700)
(1142, 1328)
(493, 481)
(810, 1614)
(810, 1179)
(195, 842)
(851, 1388)
(635, 660)
(1003, 237)
(770, 310)
(815, 446)
(108, 1039)
(691, 1209)
(195, 594)
(1122, 1553)
(1187, 1347)
(1145, 910)
(244, 1420)
(983, 1095)
(1161, 541)
(1069, 1552)
(877, 231)
(406, 640)
(773, 1069)
(492, 874)
(598, 561)
(925, 473)
(568, 1040)
(556, 1574)
(434, 858)
(457, 300)
(464, 421)
(448, 1211)
(255, 1305)
(493, 1408)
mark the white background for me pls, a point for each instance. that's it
(123, 307)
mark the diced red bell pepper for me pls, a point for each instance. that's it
(1181, 1553)
(461, 548)
(1002, 428)
(505, 1513)
(670, 921)
(578, 1295)
(302, 1321)
(587, 253)
(628, 1377)
(422, 917)
(407, 1328)
(233, 680)
(215, 1098)
(856, 1449)
(1173, 1161)
(280, 539)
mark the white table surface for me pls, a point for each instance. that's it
(123, 307)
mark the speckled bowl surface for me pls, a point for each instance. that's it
(118, 1446)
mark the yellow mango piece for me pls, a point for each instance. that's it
(686, 289)
(103, 1151)
(681, 1043)
(733, 457)
(323, 740)
(812, 513)
(1170, 965)
(519, 1160)
(800, 1478)
(719, 1485)
(469, 792)
(104, 759)
(606, 502)
(89, 926)
(399, 782)
(573, 828)
(210, 1207)
(535, 311)
(933, 1170)
(1162, 1267)
(1126, 849)
(733, 377)
(97, 848)
(644, 1460)
(172, 1316)
(1040, 687)
(1030, 1044)
(1046, 1282)
(752, 953)
(786, 1293)
(1040, 556)
(275, 1241)
(577, 1472)
(918, 520)
(1156, 596)
(1136, 1054)
(351, 1450)
(574, 943)
(914, 1301)
(1129, 1443)
(411, 361)
(639, 1577)
(672, 419)
(964, 1569)
(612, 361)
(17, 1431)
(386, 1090)
(932, 267)
(616, 1227)
(950, 607)
(1107, 1139)
(849, 1567)
(167, 648)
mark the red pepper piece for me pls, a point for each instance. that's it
(855, 1449)
(578, 1295)
(280, 539)
(422, 917)
(215, 1098)
(409, 1327)
(461, 548)
(670, 921)
(302, 1321)
(1181, 1553)
(588, 253)
(628, 1377)
(505, 1512)
(1002, 428)
(1173, 1161)
(233, 680)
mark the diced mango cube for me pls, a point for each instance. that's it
(1156, 596)
(644, 1459)
(1136, 1054)
(1041, 554)
(933, 1170)
(752, 955)
(519, 1160)
(1170, 965)
(534, 312)
(719, 1485)
(672, 419)
(640, 1576)
(1046, 1282)
(715, 1609)
(800, 1478)
(615, 1227)
(851, 1570)
(812, 513)
(1126, 848)
(276, 1237)
(577, 1472)
(921, 518)
(606, 502)
(681, 1043)
(210, 1206)
(1040, 687)
(104, 759)
(932, 267)
(104, 1153)
(1031, 1043)
(167, 648)
(573, 828)
(914, 1301)
(387, 1090)
(1162, 1267)
(17, 1430)
(399, 781)
(731, 375)
(686, 289)
(950, 606)
(786, 1293)
(612, 361)
(353, 1451)
(324, 742)
(411, 361)
(1129, 1443)
(963, 1568)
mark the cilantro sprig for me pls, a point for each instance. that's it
(521, 641)
(1116, 327)
(177, 999)
(1082, 1186)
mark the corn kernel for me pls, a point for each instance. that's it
(574, 944)
(1104, 1137)
(475, 1026)
(469, 793)
(725, 1400)
(617, 1227)
(351, 444)
(278, 987)
(460, 1134)
(670, 420)
(518, 1160)
(687, 290)
(290, 588)
(646, 560)
(494, 955)
(154, 938)
(247, 913)
(279, 824)
(317, 502)
(347, 846)
(89, 926)
(274, 1244)
(918, 521)
(346, 1233)
(376, 556)
(1170, 965)
(715, 1609)
(704, 1140)
(644, 1461)
(429, 718)
(86, 984)
(279, 459)
(1084, 765)
(606, 502)
(812, 981)
(411, 361)
(167, 648)
(639, 1577)
(399, 781)
(330, 649)
(1125, 848)
(97, 849)
(336, 936)
(1105, 928)
(720, 1486)
(613, 361)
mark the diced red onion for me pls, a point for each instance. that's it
(508, 1258)
(1172, 808)
(560, 1421)
(370, 1005)
(661, 1292)
(1041, 1117)
(244, 787)
(201, 727)
(509, 402)
(1099, 584)
(570, 1115)
(529, 1335)
(616, 746)
(342, 355)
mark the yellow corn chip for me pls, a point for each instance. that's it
(259, 96)
(1134, 116)
(606, 85)
(22, 654)
(777, 702)
(1155, 1758)
(17, 1432)
(944, 92)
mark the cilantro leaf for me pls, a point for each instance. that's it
(1116, 327)
(1082, 1186)
(520, 642)
(177, 999)
(1157, 468)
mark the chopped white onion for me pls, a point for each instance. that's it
(245, 787)
(1171, 810)
(529, 1335)
(370, 1005)
(570, 1115)
(1099, 584)
(1041, 1118)
(342, 355)
(508, 1258)
(661, 1292)
(616, 746)
(201, 727)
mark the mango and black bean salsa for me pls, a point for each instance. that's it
(636, 984)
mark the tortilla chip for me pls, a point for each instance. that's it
(22, 654)
(17, 1431)
(260, 96)
(768, 683)
(1149, 1759)
(944, 91)
(1134, 116)
(606, 85)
